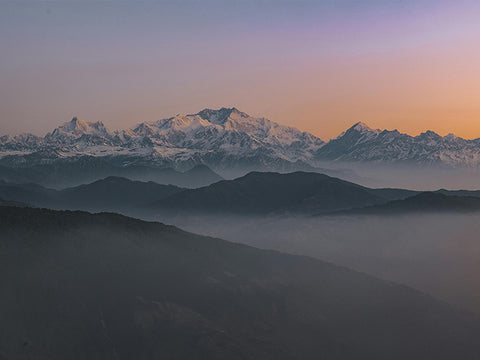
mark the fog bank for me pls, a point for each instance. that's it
(436, 253)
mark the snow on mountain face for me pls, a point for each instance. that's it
(210, 129)
(360, 143)
(77, 128)
(228, 138)
(220, 138)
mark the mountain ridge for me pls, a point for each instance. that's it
(112, 193)
(423, 202)
(256, 193)
(228, 138)
(362, 144)
(264, 193)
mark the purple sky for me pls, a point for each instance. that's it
(317, 65)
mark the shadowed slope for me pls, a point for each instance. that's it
(109, 194)
(425, 202)
(76, 286)
(264, 193)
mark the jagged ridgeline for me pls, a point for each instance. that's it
(223, 140)
(219, 139)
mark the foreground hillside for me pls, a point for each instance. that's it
(82, 286)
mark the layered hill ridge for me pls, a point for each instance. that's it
(255, 194)
(260, 193)
(67, 173)
(304, 193)
(440, 201)
(110, 194)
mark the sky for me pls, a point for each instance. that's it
(320, 66)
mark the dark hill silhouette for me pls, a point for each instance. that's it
(11, 203)
(109, 194)
(61, 174)
(423, 202)
(114, 193)
(471, 193)
(266, 192)
(394, 194)
(257, 193)
(105, 286)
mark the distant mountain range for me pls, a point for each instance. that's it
(255, 194)
(361, 143)
(65, 173)
(225, 139)
(109, 194)
(104, 286)
(424, 202)
(303, 193)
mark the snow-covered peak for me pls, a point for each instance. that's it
(361, 127)
(451, 137)
(221, 116)
(429, 134)
(232, 119)
(356, 134)
(228, 137)
(224, 134)
(212, 125)
(186, 123)
(143, 129)
(20, 140)
(77, 127)
(360, 143)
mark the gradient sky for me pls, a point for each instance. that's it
(318, 65)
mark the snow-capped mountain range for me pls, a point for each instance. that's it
(228, 138)
(363, 144)
(219, 138)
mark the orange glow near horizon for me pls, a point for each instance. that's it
(411, 92)
(321, 67)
